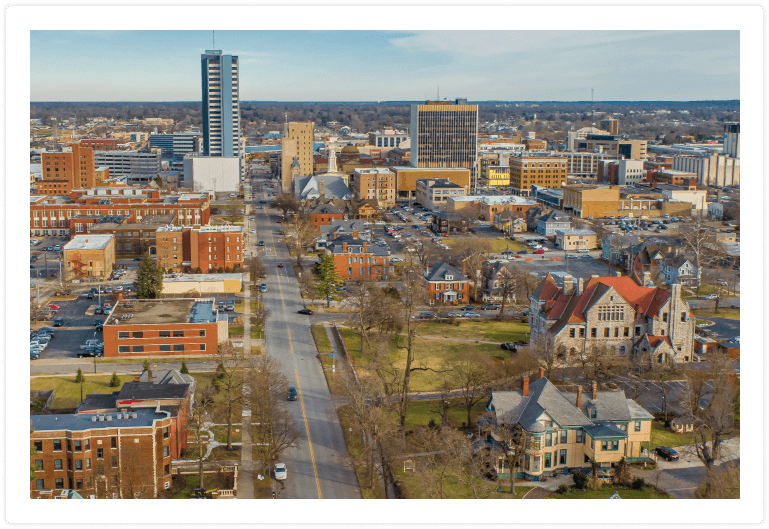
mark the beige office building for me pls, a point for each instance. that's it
(375, 183)
(296, 143)
(406, 178)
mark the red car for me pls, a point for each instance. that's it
(54, 307)
(540, 251)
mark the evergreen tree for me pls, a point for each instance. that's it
(149, 282)
(146, 366)
(114, 382)
(184, 370)
(328, 278)
(79, 377)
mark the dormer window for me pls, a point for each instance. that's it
(448, 277)
(592, 412)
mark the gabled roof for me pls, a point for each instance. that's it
(611, 405)
(438, 272)
(326, 208)
(151, 391)
(547, 289)
(555, 216)
(603, 430)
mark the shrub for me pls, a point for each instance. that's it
(580, 480)
(594, 484)
(638, 483)
(114, 382)
(432, 423)
(79, 377)
(184, 370)
(145, 366)
(562, 489)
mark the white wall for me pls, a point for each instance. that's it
(201, 172)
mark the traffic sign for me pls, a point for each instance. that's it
(331, 355)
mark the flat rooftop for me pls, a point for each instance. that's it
(89, 242)
(203, 278)
(78, 422)
(164, 311)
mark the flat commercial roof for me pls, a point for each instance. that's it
(78, 422)
(164, 311)
(206, 278)
(89, 242)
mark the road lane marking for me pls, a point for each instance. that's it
(280, 289)
(306, 427)
(289, 338)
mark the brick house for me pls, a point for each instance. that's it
(446, 285)
(164, 327)
(445, 222)
(355, 258)
(616, 313)
(89, 256)
(566, 432)
(111, 455)
(325, 214)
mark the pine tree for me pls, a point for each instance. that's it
(184, 370)
(149, 282)
(114, 382)
(328, 278)
(79, 377)
(145, 366)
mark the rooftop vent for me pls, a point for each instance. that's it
(93, 419)
(101, 418)
(109, 418)
(134, 415)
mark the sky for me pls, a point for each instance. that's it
(390, 65)
(396, 53)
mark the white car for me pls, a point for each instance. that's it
(582, 250)
(253, 231)
(281, 472)
(396, 260)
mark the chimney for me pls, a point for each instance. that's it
(595, 389)
(618, 273)
(149, 375)
(579, 398)
(647, 277)
(541, 373)
(137, 379)
(568, 285)
(321, 187)
(525, 388)
(365, 246)
(580, 284)
(344, 247)
(355, 234)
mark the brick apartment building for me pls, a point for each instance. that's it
(89, 256)
(56, 216)
(376, 183)
(544, 171)
(584, 200)
(73, 168)
(105, 144)
(325, 215)
(356, 259)
(111, 455)
(173, 327)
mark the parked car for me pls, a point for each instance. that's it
(263, 288)
(582, 250)
(668, 453)
(469, 307)
(292, 393)
(586, 256)
(280, 265)
(58, 322)
(261, 243)
(521, 252)
(490, 306)
(471, 314)
(539, 251)
(509, 346)
(281, 472)
(424, 316)
(305, 311)
(396, 260)
(137, 258)
(455, 315)
(711, 296)
(97, 321)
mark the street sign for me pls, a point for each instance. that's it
(331, 355)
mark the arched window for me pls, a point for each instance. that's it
(660, 358)
(622, 349)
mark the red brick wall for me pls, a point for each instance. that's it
(464, 289)
(324, 219)
(377, 268)
(151, 339)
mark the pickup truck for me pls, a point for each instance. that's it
(91, 344)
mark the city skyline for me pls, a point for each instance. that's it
(390, 65)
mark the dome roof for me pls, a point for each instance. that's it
(349, 154)
(350, 148)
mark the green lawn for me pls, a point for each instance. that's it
(732, 314)
(429, 353)
(237, 330)
(489, 331)
(240, 305)
(413, 487)
(609, 488)
(419, 413)
(183, 486)
(333, 378)
(661, 436)
(220, 433)
(67, 392)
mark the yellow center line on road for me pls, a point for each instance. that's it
(307, 428)
(280, 290)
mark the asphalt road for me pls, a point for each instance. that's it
(681, 483)
(318, 467)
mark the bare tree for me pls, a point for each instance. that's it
(256, 268)
(275, 429)
(547, 355)
(300, 234)
(229, 382)
(514, 448)
(286, 202)
(307, 283)
(507, 284)
(524, 279)
(362, 300)
(196, 425)
(714, 423)
(697, 237)
(443, 403)
(469, 373)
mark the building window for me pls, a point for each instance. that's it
(78, 446)
(627, 331)
(123, 349)
(683, 316)
(202, 347)
(664, 316)
(179, 347)
(39, 446)
(164, 334)
(166, 451)
(166, 469)
(610, 446)
(78, 484)
(88, 464)
(59, 483)
(57, 464)
(606, 332)
(165, 348)
(114, 461)
(572, 332)
(593, 414)
(122, 334)
(38, 465)
(165, 432)
(579, 439)
(57, 445)
(137, 334)
(39, 484)
(78, 464)
(138, 349)
(548, 439)
(99, 453)
(637, 426)
(548, 460)
(203, 333)
(178, 334)
(638, 331)
(564, 436)
(562, 458)
(593, 332)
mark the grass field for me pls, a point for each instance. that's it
(68, 392)
(429, 354)
(497, 245)
(729, 313)
(237, 330)
(240, 305)
(355, 448)
(609, 488)
(413, 487)
(419, 413)
(661, 436)
(220, 433)
(490, 331)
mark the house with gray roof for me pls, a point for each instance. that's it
(548, 224)
(564, 432)
(446, 285)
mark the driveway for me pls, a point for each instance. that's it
(681, 483)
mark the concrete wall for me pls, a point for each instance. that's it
(219, 174)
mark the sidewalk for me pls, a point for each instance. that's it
(246, 468)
